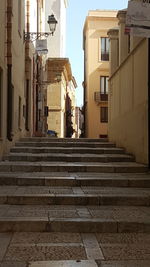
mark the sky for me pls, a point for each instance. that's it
(76, 15)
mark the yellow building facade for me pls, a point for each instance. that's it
(12, 77)
(96, 71)
(60, 96)
(128, 98)
(17, 71)
(3, 78)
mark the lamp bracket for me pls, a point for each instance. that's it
(33, 36)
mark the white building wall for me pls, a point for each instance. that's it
(33, 16)
(57, 43)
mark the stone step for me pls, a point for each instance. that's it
(113, 167)
(98, 263)
(83, 195)
(93, 219)
(70, 140)
(75, 179)
(70, 157)
(106, 198)
(66, 144)
(67, 150)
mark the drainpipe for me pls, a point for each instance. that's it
(149, 103)
(27, 44)
(37, 71)
(37, 16)
(9, 70)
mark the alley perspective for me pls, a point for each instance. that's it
(74, 179)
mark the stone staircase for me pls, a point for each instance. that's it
(73, 185)
(69, 187)
(69, 155)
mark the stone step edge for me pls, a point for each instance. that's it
(65, 167)
(58, 139)
(68, 150)
(80, 200)
(71, 159)
(65, 141)
(72, 225)
(42, 181)
(65, 144)
(74, 155)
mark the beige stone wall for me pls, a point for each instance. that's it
(57, 91)
(3, 73)
(128, 103)
(54, 105)
(18, 73)
(96, 26)
(3, 31)
(18, 68)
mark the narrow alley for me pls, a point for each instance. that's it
(74, 133)
(73, 203)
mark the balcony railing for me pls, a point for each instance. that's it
(99, 97)
(104, 56)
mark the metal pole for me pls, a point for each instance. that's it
(37, 18)
(37, 71)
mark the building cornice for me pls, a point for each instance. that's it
(104, 69)
(74, 82)
(66, 3)
(97, 18)
(113, 33)
(122, 15)
(55, 66)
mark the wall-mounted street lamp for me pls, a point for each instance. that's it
(32, 36)
(57, 79)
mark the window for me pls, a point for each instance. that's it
(105, 49)
(104, 114)
(19, 113)
(26, 112)
(104, 84)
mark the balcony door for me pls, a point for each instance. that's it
(104, 49)
(104, 87)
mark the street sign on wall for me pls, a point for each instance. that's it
(41, 47)
(138, 18)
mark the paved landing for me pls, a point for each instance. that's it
(74, 250)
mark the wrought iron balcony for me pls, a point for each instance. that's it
(105, 56)
(100, 97)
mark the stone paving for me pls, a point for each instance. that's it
(74, 249)
(89, 208)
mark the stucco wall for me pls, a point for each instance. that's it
(96, 26)
(57, 43)
(128, 104)
(3, 85)
(18, 74)
(54, 104)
